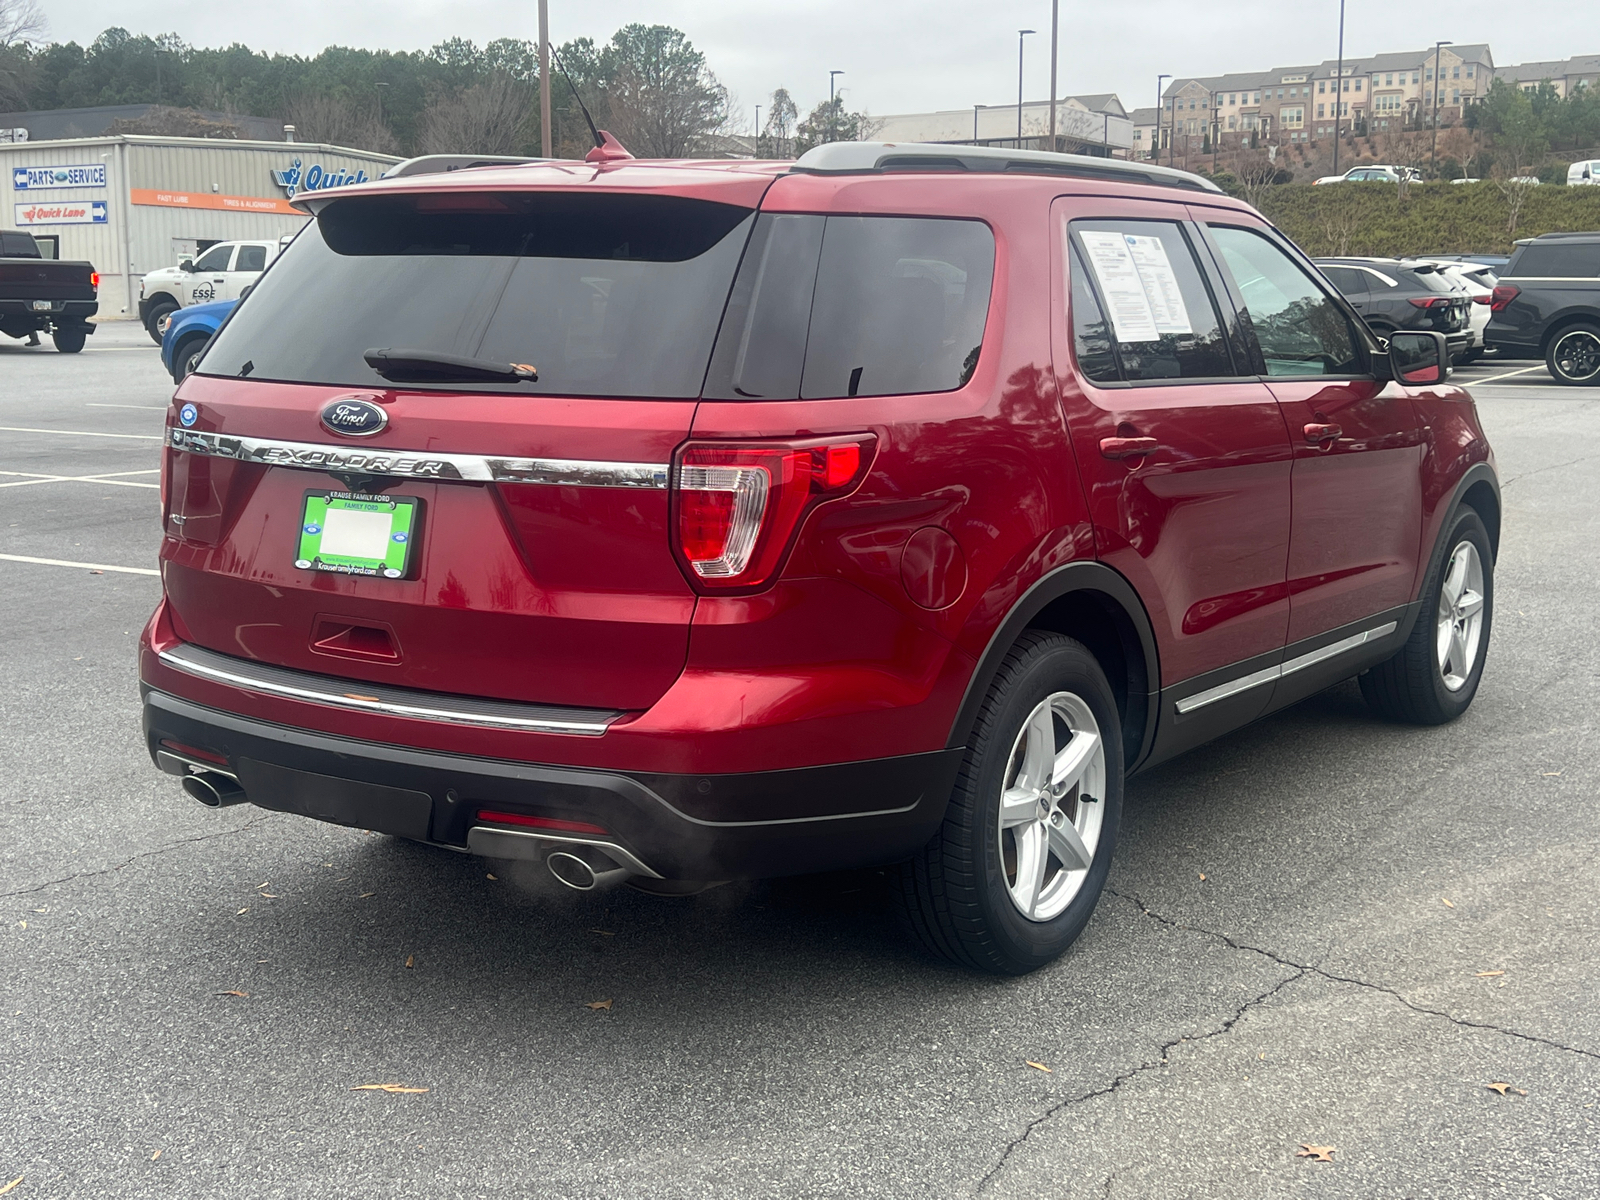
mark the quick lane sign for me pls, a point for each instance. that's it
(33, 179)
(61, 212)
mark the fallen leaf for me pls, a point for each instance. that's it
(245, 995)
(97, 572)
(1549, 774)
(24, 924)
(12, 1184)
(599, 1004)
(41, 910)
(1202, 875)
(601, 932)
(242, 911)
(364, 895)
(1039, 1067)
(1503, 1088)
(1447, 903)
(496, 878)
(155, 1156)
(1489, 974)
(1315, 1153)
(409, 960)
(1262, 1055)
(398, 1089)
(269, 895)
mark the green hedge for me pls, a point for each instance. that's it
(1434, 218)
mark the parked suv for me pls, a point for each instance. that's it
(1547, 305)
(1401, 293)
(891, 506)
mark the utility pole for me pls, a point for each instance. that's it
(1055, 42)
(544, 78)
(1021, 35)
(1338, 92)
(1155, 151)
(975, 109)
(757, 142)
(1433, 153)
(832, 108)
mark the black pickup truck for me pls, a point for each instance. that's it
(39, 293)
(1548, 306)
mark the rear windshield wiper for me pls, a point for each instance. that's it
(403, 364)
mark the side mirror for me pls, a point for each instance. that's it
(247, 291)
(1418, 359)
(186, 264)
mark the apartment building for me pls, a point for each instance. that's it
(1565, 75)
(1300, 104)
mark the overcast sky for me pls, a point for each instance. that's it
(897, 55)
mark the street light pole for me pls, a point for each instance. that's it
(1156, 149)
(544, 78)
(758, 130)
(1021, 35)
(1055, 41)
(1338, 93)
(1433, 152)
(832, 124)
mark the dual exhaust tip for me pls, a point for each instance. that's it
(579, 867)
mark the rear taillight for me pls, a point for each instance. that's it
(1481, 298)
(94, 279)
(1504, 294)
(737, 506)
(1430, 301)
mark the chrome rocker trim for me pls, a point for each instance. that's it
(1272, 674)
(389, 701)
(418, 464)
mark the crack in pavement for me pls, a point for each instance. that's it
(1160, 1061)
(204, 837)
(1308, 968)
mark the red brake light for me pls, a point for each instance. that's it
(210, 756)
(1430, 301)
(739, 505)
(530, 822)
(1504, 294)
(94, 279)
(1480, 298)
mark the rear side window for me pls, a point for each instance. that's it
(1300, 329)
(1567, 260)
(607, 295)
(828, 307)
(251, 258)
(1161, 313)
(1349, 280)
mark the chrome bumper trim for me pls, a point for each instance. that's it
(388, 701)
(419, 464)
(1272, 674)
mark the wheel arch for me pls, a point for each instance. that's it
(1563, 321)
(1094, 604)
(190, 339)
(155, 298)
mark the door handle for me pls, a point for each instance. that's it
(1127, 447)
(1323, 433)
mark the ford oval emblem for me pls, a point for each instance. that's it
(354, 416)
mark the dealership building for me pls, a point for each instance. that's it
(131, 204)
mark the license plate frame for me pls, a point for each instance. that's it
(360, 530)
(44, 306)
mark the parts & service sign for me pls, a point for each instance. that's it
(63, 212)
(34, 179)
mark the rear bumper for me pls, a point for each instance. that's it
(681, 827)
(70, 313)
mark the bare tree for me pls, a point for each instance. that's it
(486, 118)
(662, 99)
(176, 122)
(338, 120)
(21, 21)
(1256, 173)
(1338, 221)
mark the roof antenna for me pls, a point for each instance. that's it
(606, 147)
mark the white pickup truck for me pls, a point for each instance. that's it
(222, 272)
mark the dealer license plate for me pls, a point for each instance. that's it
(354, 533)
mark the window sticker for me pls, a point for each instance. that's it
(1160, 284)
(1126, 297)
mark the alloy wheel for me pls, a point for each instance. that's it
(1050, 806)
(1577, 355)
(1460, 621)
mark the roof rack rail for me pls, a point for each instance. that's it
(859, 158)
(1556, 237)
(435, 164)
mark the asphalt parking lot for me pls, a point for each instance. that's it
(1323, 930)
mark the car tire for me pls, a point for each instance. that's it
(69, 341)
(1573, 356)
(152, 320)
(1435, 675)
(186, 356)
(994, 890)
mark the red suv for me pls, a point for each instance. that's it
(679, 522)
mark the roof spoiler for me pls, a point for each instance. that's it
(437, 164)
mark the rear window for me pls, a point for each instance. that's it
(829, 307)
(1426, 278)
(607, 294)
(1551, 260)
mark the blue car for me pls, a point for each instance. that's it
(186, 334)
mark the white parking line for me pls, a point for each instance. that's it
(138, 437)
(1508, 374)
(59, 562)
(25, 478)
